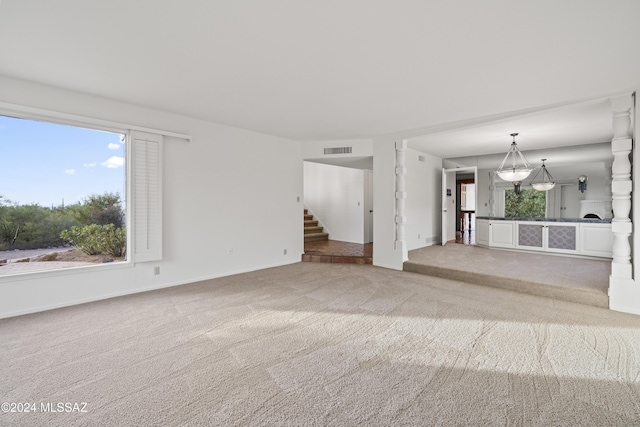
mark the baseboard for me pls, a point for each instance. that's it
(137, 291)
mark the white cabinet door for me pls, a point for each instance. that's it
(596, 240)
(531, 235)
(482, 232)
(501, 234)
(562, 237)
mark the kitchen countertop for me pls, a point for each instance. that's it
(587, 220)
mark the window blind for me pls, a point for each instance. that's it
(146, 153)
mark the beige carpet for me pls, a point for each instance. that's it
(582, 280)
(325, 344)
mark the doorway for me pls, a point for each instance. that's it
(339, 196)
(466, 210)
(452, 210)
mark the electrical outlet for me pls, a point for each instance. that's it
(156, 271)
(418, 235)
(285, 251)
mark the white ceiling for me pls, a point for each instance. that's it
(335, 69)
(572, 125)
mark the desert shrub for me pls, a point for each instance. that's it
(99, 209)
(31, 226)
(96, 239)
(114, 240)
(86, 239)
(109, 215)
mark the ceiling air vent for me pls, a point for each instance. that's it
(338, 150)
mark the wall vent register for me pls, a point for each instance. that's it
(338, 150)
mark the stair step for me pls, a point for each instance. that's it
(310, 223)
(306, 211)
(308, 217)
(311, 230)
(314, 237)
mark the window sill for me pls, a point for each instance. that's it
(66, 271)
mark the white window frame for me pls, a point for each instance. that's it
(151, 253)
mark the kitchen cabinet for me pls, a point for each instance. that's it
(559, 237)
(502, 234)
(593, 239)
(596, 240)
(482, 232)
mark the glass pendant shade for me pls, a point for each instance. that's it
(547, 182)
(514, 167)
(543, 186)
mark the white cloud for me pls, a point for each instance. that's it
(113, 146)
(70, 171)
(113, 162)
(91, 165)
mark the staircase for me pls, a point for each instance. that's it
(312, 231)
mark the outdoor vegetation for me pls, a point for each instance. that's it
(94, 226)
(529, 203)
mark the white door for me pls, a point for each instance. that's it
(569, 201)
(448, 204)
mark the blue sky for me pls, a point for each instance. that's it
(45, 163)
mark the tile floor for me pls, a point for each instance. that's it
(334, 251)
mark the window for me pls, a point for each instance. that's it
(64, 191)
(529, 203)
(62, 195)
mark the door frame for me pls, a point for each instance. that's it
(447, 214)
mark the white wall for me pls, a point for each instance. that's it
(335, 196)
(423, 185)
(315, 149)
(483, 208)
(595, 191)
(385, 253)
(227, 188)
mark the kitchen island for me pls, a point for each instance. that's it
(589, 237)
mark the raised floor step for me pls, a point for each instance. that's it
(310, 223)
(532, 284)
(313, 237)
(311, 230)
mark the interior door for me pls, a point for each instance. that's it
(448, 204)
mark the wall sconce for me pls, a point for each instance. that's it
(582, 183)
(517, 187)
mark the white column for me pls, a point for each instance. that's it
(401, 195)
(621, 187)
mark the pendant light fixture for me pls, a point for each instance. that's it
(547, 182)
(514, 167)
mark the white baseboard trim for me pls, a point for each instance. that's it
(136, 291)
